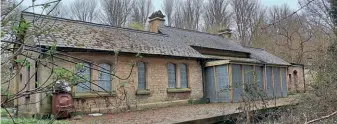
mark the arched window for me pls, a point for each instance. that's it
(171, 69)
(141, 76)
(28, 79)
(183, 76)
(295, 76)
(104, 77)
(83, 70)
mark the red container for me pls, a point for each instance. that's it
(62, 105)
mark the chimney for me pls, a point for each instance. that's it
(156, 20)
(225, 33)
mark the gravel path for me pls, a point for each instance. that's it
(170, 114)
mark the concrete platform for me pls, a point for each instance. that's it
(176, 114)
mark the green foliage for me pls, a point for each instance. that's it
(139, 55)
(194, 102)
(116, 52)
(46, 6)
(51, 51)
(67, 75)
(5, 92)
(4, 112)
(23, 62)
(21, 28)
(333, 10)
(30, 121)
(136, 26)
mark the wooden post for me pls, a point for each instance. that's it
(215, 83)
(230, 82)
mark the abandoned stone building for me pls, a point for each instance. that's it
(161, 67)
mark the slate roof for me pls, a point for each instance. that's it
(265, 56)
(194, 38)
(233, 59)
(172, 42)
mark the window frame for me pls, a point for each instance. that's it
(99, 75)
(180, 75)
(145, 76)
(175, 75)
(90, 78)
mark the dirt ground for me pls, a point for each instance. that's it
(172, 114)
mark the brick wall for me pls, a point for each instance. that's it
(156, 83)
(296, 81)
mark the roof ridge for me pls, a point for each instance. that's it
(191, 30)
(93, 24)
(254, 48)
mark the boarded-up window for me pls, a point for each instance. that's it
(183, 76)
(248, 78)
(237, 82)
(284, 82)
(259, 76)
(84, 81)
(277, 82)
(141, 75)
(269, 82)
(171, 75)
(210, 84)
(248, 74)
(104, 77)
(222, 83)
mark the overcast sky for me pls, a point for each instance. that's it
(158, 3)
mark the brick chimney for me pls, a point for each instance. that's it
(225, 33)
(156, 20)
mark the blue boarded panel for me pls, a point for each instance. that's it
(248, 75)
(209, 85)
(171, 69)
(277, 82)
(183, 76)
(284, 82)
(222, 83)
(269, 82)
(141, 75)
(237, 82)
(259, 76)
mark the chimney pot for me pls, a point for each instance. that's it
(156, 20)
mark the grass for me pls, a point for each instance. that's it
(4, 112)
(30, 121)
(5, 119)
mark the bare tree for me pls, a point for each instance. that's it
(141, 10)
(168, 9)
(319, 13)
(60, 10)
(188, 14)
(116, 12)
(84, 10)
(248, 17)
(216, 15)
(292, 34)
